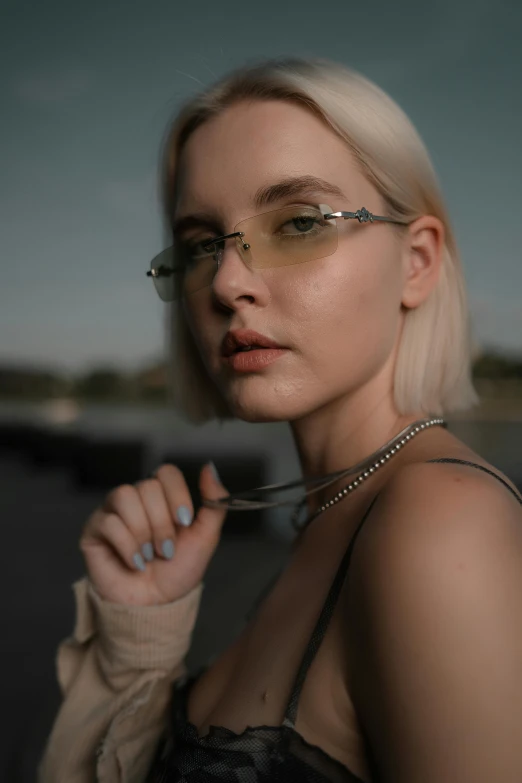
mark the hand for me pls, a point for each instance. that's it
(132, 516)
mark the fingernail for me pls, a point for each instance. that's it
(214, 471)
(184, 516)
(168, 548)
(148, 551)
(138, 561)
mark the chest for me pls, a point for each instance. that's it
(251, 682)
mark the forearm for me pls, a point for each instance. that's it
(115, 674)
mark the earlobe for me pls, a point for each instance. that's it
(423, 259)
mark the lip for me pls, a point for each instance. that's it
(254, 360)
(242, 338)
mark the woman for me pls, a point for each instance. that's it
(303, 207)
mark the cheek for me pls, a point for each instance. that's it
(370, 277)
(348, 287)
(355, 296)
(196, 316)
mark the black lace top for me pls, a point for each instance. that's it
(260, 754)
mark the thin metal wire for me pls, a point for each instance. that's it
(238, 502)
(399, 443)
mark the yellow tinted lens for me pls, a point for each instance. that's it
(291, 235)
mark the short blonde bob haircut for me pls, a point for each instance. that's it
(433, 366)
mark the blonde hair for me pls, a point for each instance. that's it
(433, 365)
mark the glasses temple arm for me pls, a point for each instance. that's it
(363, 216)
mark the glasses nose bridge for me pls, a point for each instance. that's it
(242, 246)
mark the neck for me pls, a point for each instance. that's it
(344, 433)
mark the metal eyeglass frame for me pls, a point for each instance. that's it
(362, 215)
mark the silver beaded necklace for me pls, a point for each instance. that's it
(365, 469)
(378, 458)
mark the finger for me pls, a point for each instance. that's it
(210, 485)
(162, 526)
(176, 493)
(108, 528)
(125, 501)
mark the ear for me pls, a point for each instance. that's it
(422, 259)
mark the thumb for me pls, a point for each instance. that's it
(211, 488)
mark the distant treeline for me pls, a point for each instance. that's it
(149, 384)
(99, 384)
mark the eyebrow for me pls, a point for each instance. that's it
(196, 221)
(293, 186)
(264, 196)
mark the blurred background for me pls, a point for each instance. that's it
(87, 90)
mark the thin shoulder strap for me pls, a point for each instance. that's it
(321, 626)
(480, 467)
(333, 594)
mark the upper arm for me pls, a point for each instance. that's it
(438, 632)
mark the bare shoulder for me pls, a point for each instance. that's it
(444, 499)
(428, 511)
(429, 506)
(437, 591)
(430, 522)
(468, 471)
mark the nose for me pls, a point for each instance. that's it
(241, 246)
(234, 280)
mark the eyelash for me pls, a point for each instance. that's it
(206, 238)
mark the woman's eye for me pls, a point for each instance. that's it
(200, 249)
(303, 223)
(300, 224)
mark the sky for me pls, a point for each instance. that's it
(88, 88)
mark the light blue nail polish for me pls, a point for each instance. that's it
(214, 471)
(138, 561)
(148, 551)
(184, 515)
(168, 548)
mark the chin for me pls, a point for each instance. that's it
(258, 413)
(262, 408)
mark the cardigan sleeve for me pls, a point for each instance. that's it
(115, 674)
